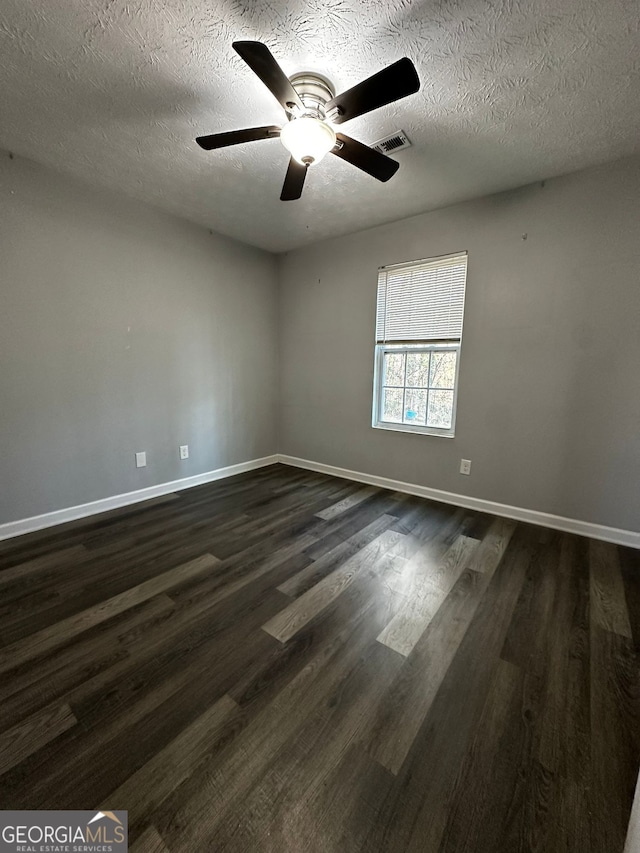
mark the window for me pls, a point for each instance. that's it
(418, 334)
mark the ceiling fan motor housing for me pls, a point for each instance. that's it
(314, 91)
(308, 136)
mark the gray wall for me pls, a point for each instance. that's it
(123, 329)
(549, 394)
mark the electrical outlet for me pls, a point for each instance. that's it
(141, 459)
(465, 466)
(184, 451)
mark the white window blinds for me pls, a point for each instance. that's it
(422, 301)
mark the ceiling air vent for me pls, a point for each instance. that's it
(392, 143)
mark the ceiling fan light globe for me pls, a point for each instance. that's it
(308, 139)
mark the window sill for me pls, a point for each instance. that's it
(416, 430)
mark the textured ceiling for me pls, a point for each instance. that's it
(512, 91)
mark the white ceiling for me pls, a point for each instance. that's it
(512, 91)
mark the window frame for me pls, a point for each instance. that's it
(378, 385)
(426, 317)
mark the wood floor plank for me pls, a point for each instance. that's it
(630, 567)
(255, 563)
(476, 801)
(43, 563)
(154, 658)
(408, 704)
(428, 537)
(204, 801)
(42, 542)
(446, 571)
(96, 577)
(155, 663)
(415, 815)
(346, 503)
(130, 672)
(149, 786)
(348, 803)
(493, 545)
(303, 609)
(39, 682)
(150, 842)
(126, 720)
(430, 587)
(632, 842)
(607, 589)
(17, 653)
(615, 747)
(27, 737)
(305, 579)
(333, 533)
(526, 643)
(537, 642)
(564, 804)
(262, 682)
(288, 793)
(563, 727)
(421, 678)
(425, 518)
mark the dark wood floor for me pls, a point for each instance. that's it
(285, 661)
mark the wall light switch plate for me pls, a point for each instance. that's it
(184, 451)
(141, 459)
(465, 466)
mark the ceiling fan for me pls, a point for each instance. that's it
(312, 108)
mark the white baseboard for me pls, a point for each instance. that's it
(532, 516)
(50, 519)
(556, 522)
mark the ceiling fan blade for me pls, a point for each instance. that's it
(235, 137)
(392, 83)
(293, 181)
(368, 159)
(262, 62)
